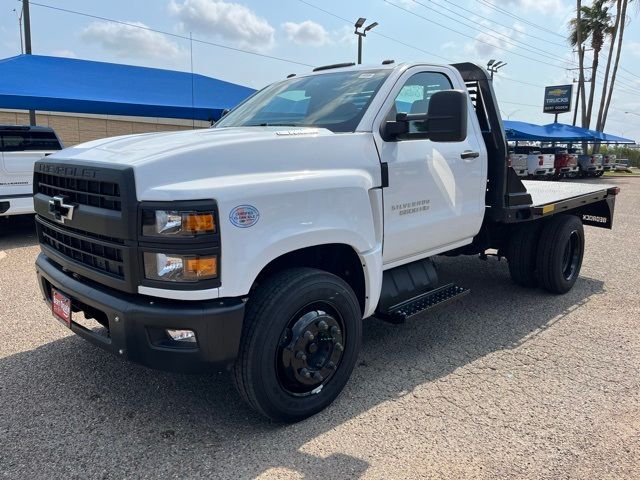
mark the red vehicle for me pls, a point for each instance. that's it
(566, 163)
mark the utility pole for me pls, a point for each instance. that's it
(27, 46)
(19, 15)
(362, 34)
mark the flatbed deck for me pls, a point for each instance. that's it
(593, 202)
(546, 193)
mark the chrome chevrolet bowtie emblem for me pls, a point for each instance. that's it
(60, 210)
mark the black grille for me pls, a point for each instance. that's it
(95, 193)
(82, 249)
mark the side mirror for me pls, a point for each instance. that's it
(447, 116)
(446, 120)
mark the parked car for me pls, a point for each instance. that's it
(20, 148)
(590, 165)
(538, 164)
(623, 166)
(565, 163)
(518, 161)
(608, 162)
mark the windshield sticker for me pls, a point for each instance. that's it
(244, 216)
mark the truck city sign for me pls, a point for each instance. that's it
(557, 99)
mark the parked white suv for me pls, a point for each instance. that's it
(20, 148)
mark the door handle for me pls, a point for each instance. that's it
(469, 154)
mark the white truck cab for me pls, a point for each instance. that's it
(261, 244)
(20, 148)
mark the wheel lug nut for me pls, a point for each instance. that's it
(339, 347)
(300, 355)
(317, 376)
(331, 365)
(305, 373)
(308, 335)
(322, 325)
(335, 330)
(313, 348)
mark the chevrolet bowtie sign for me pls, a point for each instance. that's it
(557, 99)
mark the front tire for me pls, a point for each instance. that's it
(560, 253)
(301, 338)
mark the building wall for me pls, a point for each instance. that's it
(78, 128)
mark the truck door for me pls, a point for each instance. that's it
(435, 198)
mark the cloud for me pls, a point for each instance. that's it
(227, 20)
(492, 42)
(64, 53)
(634, 48)
(130, 40)
(306, 33)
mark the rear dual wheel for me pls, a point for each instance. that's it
(301, 337)
(547, 255)
(560, 253)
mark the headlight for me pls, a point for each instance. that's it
(180, 268)
(174, 223)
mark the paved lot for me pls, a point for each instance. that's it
(507, 383)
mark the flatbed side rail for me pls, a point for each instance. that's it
(594, 209)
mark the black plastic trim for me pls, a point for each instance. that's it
(217, 323)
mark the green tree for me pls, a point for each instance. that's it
(591, 23)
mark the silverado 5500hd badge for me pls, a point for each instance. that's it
(244, 216)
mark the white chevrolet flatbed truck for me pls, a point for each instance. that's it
(261, 244)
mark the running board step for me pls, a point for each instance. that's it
(426, 301)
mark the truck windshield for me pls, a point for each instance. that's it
(336, 101)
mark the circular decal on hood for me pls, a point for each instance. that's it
(244, 216)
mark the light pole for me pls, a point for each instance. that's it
(494, 65)
(362, 34)
(512, 113)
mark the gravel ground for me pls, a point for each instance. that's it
(506, 383)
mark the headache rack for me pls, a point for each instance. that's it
(505, 191)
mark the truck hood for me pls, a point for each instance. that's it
(185, 165)
(148, 147)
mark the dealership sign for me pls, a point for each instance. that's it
(557, 99)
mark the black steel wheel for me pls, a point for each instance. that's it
(301, 337)
(560, 253)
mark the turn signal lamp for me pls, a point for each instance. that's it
(198, 223)
(202, 267)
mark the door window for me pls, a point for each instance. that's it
(415, 94)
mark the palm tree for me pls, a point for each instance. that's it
(623, 18)
(594, 24)
(612, 43)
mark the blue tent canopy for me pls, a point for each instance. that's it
(600, 136)
(69, 85)
(557, 132)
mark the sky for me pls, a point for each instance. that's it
(291, 36)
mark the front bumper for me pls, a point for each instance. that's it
(135, 324)
(544, 171)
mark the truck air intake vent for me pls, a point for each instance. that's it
(94, 193)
